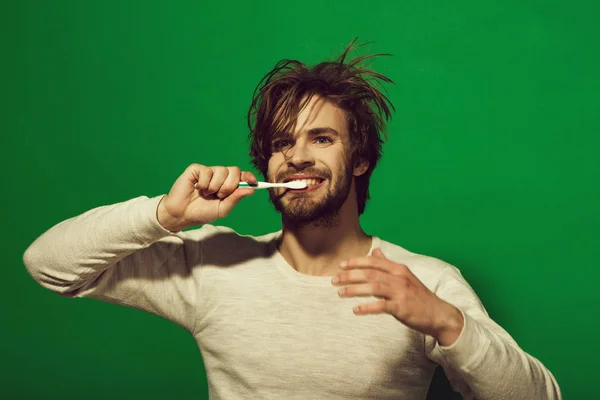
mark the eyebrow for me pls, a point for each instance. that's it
(321, 130)
(311, 132)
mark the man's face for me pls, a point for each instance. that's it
(317, 152)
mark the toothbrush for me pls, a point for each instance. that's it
(265, 185)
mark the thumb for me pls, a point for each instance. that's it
(377, 253)
(230, 201)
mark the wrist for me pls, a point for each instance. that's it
(451, 326)
(166, 220)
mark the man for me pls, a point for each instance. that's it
(266, 311)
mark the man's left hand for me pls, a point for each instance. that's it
(403, 295)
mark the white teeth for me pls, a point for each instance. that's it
(308, 182)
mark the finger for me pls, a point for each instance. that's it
(374, 289)
(360, 276)
(249, 177)
(382, 264)
(203, 177)
(231, 182)
(379, 254)
(377, 307)
(218, 177)
(230, 201)
(367, 262)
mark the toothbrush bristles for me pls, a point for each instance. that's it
(297, 185)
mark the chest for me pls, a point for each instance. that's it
(311, 337)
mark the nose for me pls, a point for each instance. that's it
(299, 157)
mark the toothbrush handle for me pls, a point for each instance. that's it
(259, 185)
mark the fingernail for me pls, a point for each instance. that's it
(343, 264)
(335, 280)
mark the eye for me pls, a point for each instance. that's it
(323, 140)
(280, 144)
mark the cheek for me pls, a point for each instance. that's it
(274, 164)
(339, 166)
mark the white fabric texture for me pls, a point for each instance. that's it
(267, 331)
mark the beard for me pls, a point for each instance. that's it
(305, 209)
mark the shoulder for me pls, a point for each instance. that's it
(427, 268)
(224, 245)
(218, 233)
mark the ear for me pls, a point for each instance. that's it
(361, 167)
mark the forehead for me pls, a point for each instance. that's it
(320, 113)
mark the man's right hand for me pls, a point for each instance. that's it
(202, 195)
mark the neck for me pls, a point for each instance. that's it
(318, 248)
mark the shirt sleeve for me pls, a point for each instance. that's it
(119, 254)
(485, 362)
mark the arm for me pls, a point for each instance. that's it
(119, 254)
(122, 254)
(485, 362)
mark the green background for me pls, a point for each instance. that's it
(492, 161)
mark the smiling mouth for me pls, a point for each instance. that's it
(311, 184)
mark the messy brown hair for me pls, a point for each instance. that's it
(285, 90)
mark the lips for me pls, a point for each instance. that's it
(298, 177)
(309, 188)
(312, 181)
(311, 184)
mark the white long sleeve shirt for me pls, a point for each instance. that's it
(267, 331)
